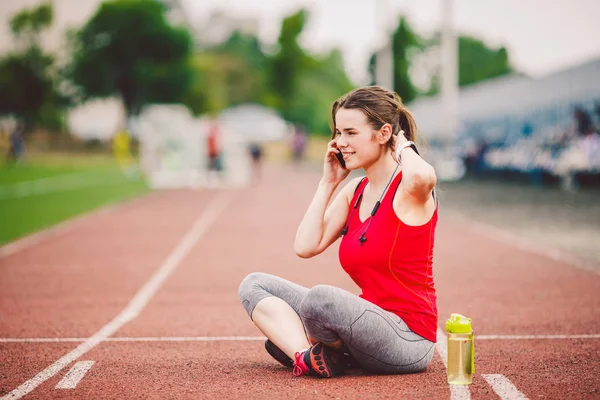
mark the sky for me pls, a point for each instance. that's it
(542, 36)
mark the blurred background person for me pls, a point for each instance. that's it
(583, 122)
(16, 147)
(299, 143)
(256, 154)
(121, 145)
(214, 150)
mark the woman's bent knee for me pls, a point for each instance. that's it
(250, 283)
(251, 291)
(319, 300)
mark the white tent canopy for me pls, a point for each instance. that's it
(253, 123)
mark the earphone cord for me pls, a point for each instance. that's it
(345, 230)
(363, 238)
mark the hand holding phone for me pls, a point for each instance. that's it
(340, 158)
(331, 172)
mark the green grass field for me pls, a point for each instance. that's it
(48, 189)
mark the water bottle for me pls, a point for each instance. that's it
(461, 350)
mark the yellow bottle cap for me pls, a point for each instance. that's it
(458, 324)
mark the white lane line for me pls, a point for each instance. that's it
(503, 236)
(189, 339)
(258, 338)
(534, 337)
(139, 301)
(72, 378)
(503, 387)
(63, 227)
(41, 340)
(141, 339)
(457, 392)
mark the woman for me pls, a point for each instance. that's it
(387, 222)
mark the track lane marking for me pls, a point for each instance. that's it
(258, 338)
(504, 236)
(66, 226)
(75, 374)
(140, 339)
(457, 392)
(503, 387)
(139, 301)
(536, 337)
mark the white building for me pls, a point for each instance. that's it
(504, 104)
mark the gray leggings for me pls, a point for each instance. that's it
(379, 340)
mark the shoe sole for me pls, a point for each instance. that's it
(323, 362)
(278, 354)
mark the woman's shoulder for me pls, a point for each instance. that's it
(355, 183)
(352, 187)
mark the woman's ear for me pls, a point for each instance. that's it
(385, 133)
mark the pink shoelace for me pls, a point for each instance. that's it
(300, 367)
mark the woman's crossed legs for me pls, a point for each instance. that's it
(286, 313)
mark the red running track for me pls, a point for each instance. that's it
(173, 341)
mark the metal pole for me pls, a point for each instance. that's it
(384, 62)
(449, 84)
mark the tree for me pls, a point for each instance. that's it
(228, 74)
(372, 69)
(405, 43)
(27, 24)
(129, 49)
(288, 61)
(321, 83)
(299, 85)
(416, 59)
(28, 78)
(477, 61)
(25, 85)
(303, 85)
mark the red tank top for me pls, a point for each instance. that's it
(394, 267)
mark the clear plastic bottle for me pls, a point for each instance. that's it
(461, 350)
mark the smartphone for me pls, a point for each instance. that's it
(340, 158)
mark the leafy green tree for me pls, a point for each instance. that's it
(478, 62)
(299, 85)
(199, 98)
(27, 24)
(246, 65)
(304, 86)
(288, 62)
(25, 85)
(405, 43)
(129, 49)
(28, 77)
(372, 68)
(318, 86)
(228, 74)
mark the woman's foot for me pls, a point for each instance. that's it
(319, 360)
(278, 354)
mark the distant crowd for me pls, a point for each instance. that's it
(570, 156)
